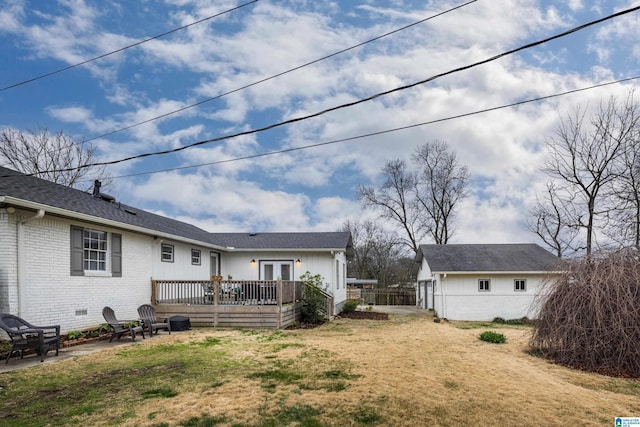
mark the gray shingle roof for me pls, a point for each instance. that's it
(487, 257)
(38, 190)
(32, 189)
(328, 241)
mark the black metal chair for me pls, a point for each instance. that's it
(147, 314)
(120, 327)
(25, 336)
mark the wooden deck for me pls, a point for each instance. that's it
(222, 303)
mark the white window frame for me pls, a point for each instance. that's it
(168, 250)
(95, 243)
(520, 285)
(196, 257)
(484, 285)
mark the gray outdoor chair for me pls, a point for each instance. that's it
(25, 336)
(120, 327)
(147, 314)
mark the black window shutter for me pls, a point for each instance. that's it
(77, 251)
(116, 255)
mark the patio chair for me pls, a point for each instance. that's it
(24, 336)
(120, 327)
(148, 315)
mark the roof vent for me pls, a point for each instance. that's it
(107, 197)
(253, 234)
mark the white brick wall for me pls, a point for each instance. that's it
(52, 295)
(8, 263)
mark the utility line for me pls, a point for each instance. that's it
(213, 98)
(382, 132)
(123, 48)
(363, 100)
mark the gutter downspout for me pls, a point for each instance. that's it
(444, 296)
(21, 253)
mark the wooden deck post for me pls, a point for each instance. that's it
(279, 302)
(216, 300)
(154, 292)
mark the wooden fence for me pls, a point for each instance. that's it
(383, 296)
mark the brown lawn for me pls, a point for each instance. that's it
(406, 371)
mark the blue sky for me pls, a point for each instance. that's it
(312, 189)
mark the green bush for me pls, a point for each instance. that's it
(493, 337)
(498, 320)
(350, 306)
(313, 299)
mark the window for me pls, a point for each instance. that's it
(91, 251)
(337, 274)
(520, 285)
(95, 250)
(166, 253)
(484, 285)
(195, 257)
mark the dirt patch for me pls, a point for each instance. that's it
(362, 315)
(366, 315)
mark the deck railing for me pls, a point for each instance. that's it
(225, 292)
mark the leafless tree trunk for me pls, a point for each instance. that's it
(440, 184)
(395, 200)
(585, 161)
(45, 155)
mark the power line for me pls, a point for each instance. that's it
(350, 104)
(123, 48)
(382, 132)
(213, 98)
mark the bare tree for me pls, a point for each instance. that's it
(625, 216)
(441, 182)
(547, 219)
(54, 157)
(422, 202)
(379, 254)
(395, 200)
(585, 161)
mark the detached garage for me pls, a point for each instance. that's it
(481, 281)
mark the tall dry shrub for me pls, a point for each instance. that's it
(589, 316)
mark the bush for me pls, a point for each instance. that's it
(588, 315)
(350, 306)
(313, 298)
(493, 337)
(498, 320)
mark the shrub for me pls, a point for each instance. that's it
(350, 306)
(587, 315)
(313, 298)
(498, 320)
(493, 337)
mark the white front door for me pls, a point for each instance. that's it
(271, 270)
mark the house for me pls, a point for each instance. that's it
(65, 254)
(481, 281)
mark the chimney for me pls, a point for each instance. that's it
(96, 188)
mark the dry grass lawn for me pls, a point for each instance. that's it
(407, 371)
